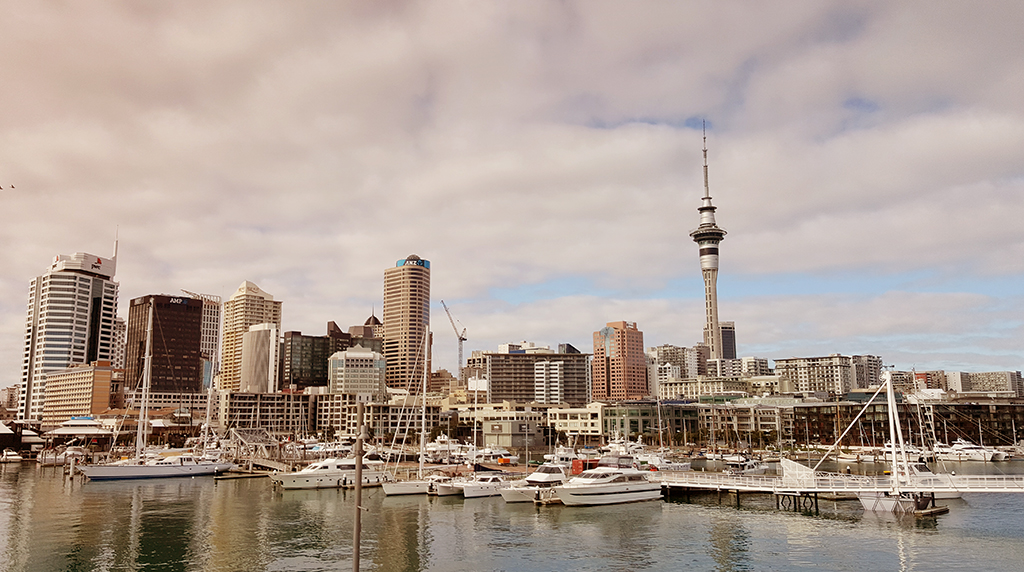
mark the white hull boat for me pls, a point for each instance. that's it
(331, 474)
(10, 456)
(613, 481)
(482, 486)
(173, 466)
(414, 487)
(537, 485)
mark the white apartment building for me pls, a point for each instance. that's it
(71, 320)
(832, 373)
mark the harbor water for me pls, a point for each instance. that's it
(49, 523)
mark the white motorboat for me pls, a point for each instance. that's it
(414, 487)
(482, 485)
(184, 465)
(10, 456)
(613, 481)
(538, 485)
(962, 450)
(446, 488)
(657, 462)
(331, 473)
(745, 467)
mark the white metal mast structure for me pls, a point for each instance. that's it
(462, 336)
(707, 236)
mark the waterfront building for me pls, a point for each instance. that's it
(71, 315)
(247, 307)
(619, 365)
(358, 371)
(577, 422)
(260, 351)
(629, 419)
(177, 362)
(284, 414)
(406, 321)
(77, 391)
(708, 236)
(304, 359)
(696, 387)
(832, 373)
(533, 375)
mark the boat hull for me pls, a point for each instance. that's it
(394, 488)
(611, 494)
(327, 480)
(122, 472)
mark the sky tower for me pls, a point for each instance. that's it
(707, 236)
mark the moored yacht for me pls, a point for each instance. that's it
(482, 485)
(613, 481)
(538, 485)
(331, 473)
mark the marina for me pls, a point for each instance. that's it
(50, 522)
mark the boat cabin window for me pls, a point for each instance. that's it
(615, 461)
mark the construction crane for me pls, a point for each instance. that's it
(462, 336)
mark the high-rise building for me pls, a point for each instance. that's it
(260, 347)
(620, 365)
(177, 364)
(304, 358)
(247, 307)
(120, 341)
(728, 330)
(707, 236)
(213, 308)
(406, 321)
(71, 314)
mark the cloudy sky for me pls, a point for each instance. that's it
(866, 159)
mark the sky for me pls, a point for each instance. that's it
(546, 157)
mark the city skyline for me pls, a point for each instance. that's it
(546, 159)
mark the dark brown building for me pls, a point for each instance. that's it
(304, 358)
(177, 365)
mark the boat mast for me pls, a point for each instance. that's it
(423, 406)
(140, 432)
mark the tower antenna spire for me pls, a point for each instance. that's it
(707, 190)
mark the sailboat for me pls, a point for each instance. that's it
(139, 467)
(419, 486)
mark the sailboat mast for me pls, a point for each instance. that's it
(140, 432)
(423, 406)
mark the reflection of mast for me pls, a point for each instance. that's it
(707, 236)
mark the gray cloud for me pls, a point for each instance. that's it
(545, 157)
